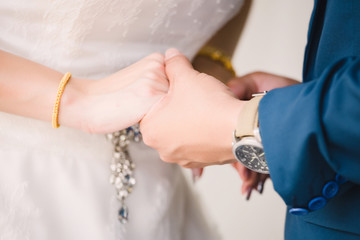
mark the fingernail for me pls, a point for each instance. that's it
(196, 173)
(171, 52)
(248, 194)
(260, 187)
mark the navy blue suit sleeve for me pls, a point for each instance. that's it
(311, 132)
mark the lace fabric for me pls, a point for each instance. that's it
(92, 38)
(15, 211)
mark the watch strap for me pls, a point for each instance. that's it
(249, 118)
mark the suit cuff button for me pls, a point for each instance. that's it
(298, 211)
(330, 189)
(317, 203)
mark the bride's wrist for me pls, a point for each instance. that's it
(74, 104)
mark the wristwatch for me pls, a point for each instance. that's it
(247, 146)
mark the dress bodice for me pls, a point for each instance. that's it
(93, 38)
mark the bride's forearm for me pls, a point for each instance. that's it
(118, 101)
(29, 89)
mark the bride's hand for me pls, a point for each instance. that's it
(117, 101)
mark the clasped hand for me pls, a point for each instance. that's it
(192, 125)
(187, 116)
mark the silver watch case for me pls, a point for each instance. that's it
(250, 153)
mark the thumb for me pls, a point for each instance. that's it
(177, 65)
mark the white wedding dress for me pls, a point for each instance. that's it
(54, 184)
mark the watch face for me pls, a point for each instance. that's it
(252, 157)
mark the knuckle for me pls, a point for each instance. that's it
(157, 56)
(151, 75)
(156, 66)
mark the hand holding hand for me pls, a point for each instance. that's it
(193, 124)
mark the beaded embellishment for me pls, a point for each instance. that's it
(122, 167)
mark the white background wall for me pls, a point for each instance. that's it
(273, 40)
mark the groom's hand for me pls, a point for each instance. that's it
(193, 124)
(243, 87)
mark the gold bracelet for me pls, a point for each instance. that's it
(217, 55)
(55, 114)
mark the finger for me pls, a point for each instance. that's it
(241, 87)
(196, 173)
(232, 81)
(264, 177)
(248, 194)
(161, 85)
(157, 57)
(262, 180)
(156, 71)
(243, 172)
(201, 171)
(241, 92)
(251, 182)
(177, 65)
(260, 186)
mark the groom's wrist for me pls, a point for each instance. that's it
(235, 107)
(247, 146)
